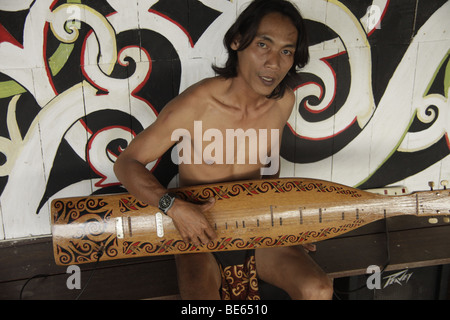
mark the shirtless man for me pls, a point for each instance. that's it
(250, 92)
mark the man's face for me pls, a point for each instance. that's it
(267, 60)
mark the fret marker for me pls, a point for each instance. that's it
(271, 214)
(129, 227)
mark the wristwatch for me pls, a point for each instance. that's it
(166, 202)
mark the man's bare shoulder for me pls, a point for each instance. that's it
(188, 105)
(286, 103)
(205, 88)
(197, 96)
(290, 95)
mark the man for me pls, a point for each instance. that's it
(265, 45)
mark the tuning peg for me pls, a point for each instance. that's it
(444, 183)
(431, 185)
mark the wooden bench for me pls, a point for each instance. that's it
(413, 243)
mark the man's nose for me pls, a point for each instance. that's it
(273, 60)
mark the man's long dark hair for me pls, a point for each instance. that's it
(246, 26)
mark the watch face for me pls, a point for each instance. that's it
(165, 201)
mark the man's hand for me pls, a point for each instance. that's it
(190, 221)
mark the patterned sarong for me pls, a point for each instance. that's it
(238, 271)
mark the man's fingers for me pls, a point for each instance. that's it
(196, 242)
(208, 204)
(185, 237)
(205, 236)
(199, 238)
(211, 234)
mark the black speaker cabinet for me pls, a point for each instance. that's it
(426, 283)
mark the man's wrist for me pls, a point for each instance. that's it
(173, 208)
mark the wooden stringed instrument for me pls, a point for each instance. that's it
(247, 214)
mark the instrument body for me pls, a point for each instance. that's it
(247, 214)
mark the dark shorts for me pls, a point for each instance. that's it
(238, 271)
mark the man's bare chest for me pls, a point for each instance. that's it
(225, 144)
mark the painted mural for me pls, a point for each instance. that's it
(80, 78)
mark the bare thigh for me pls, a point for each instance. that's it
(198, 276)
(294, 271)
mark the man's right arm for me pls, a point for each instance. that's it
(130, 169)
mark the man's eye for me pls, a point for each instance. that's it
(262, 45)
(287, 52)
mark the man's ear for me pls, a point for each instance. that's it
(235, 44)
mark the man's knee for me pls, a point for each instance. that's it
(316, 288)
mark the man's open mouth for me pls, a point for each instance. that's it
(268, 81)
